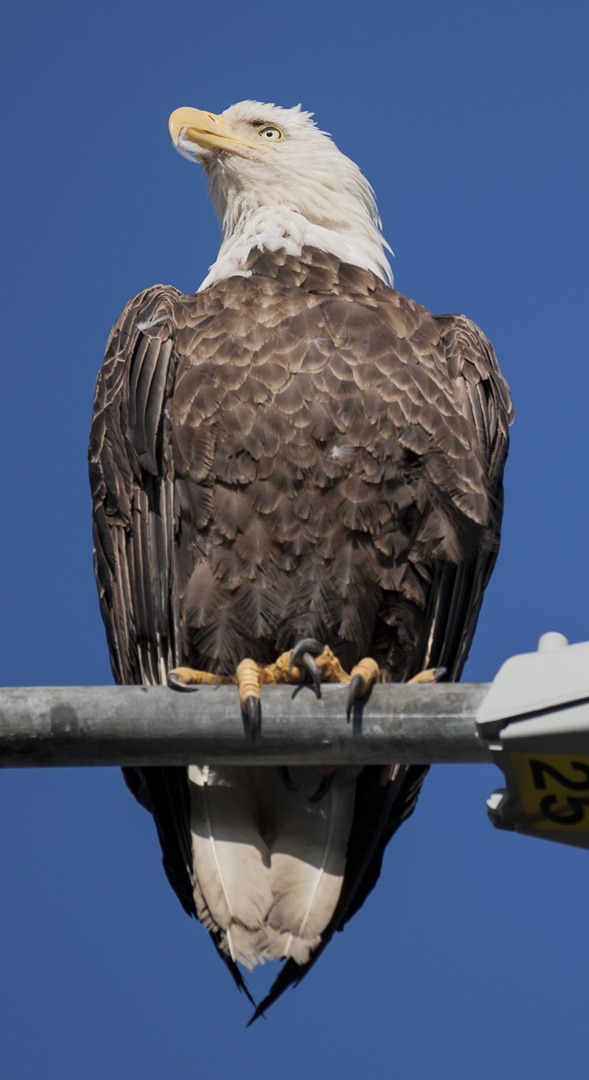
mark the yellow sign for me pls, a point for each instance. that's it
(554, 790)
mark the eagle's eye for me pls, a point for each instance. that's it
(271, 133)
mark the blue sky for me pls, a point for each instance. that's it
(472, 956)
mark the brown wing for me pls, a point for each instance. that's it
(301, 452)
(133, 491)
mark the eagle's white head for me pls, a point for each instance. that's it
(278, 182)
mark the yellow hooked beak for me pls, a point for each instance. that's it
(208, 131)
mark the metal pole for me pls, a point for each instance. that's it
(154, 725)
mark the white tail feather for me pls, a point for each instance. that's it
(230, 858)
(308, 859)
(268, 864)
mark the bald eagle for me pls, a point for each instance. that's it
(296, 453)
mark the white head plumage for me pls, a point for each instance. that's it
(278, 182)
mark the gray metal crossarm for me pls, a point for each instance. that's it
(532, 721)
(139, 725)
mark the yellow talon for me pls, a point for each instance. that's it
(429, 675)
(248, 679)
(249, 675)
(368, 671)
(279, 671)
(191, 675)
(330, 667)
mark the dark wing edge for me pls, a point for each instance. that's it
(455, 601)
(485, 400)
(133, 520)
(133, 492)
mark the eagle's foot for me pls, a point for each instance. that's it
(330, 667)
(303, 657)
(294, 666)
(309, 657)
(186, 678)
(362, 677)
(247, 676)
(366, 672)
(323, 666)
(432, 674)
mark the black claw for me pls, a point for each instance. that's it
(354, 693)
(303, 656)
(286, 778)
(254, 716)
(323, 788)
(311, 667)
(438, 673)
(176, 684)
(307, 644)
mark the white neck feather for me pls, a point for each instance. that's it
(285, 229)
(303, 193)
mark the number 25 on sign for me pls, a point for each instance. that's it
(554, 790)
